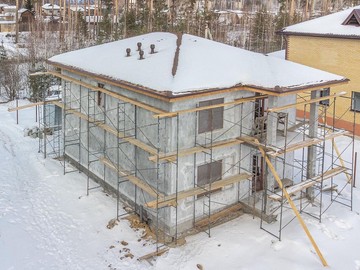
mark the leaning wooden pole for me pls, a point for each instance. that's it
(287, 196)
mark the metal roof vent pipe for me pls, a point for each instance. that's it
(139, 46)
(128, 51)
(141, 53)
(152, 47)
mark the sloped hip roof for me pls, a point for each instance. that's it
(186, 63)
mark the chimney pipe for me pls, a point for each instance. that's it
(139, 46)
(141, 53)
(128, 51)
(152, 47)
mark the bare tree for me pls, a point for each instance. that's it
(10, 79)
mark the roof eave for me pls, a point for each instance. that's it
(288, 33)
(171, 97)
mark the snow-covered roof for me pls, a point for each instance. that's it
(330, 25)
(199, 64)
(278, 54)
(75, 8)
(50, 6)
(7, 22)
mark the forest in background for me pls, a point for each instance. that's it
(248, 24)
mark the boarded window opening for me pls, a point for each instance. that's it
(355, 102)
(209, 173)
(211, 119)
(100, 96)
(257, 173)
(325, 93)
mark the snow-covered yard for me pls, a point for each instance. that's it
(48, 222)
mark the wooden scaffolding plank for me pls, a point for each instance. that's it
(153, 254)
(133, 179)
(171, 156)
(305, 143)
(133, 141)
(32, 105)
(171, 199)
(308, 183)
(235, 102)
(218, 215)
(297, 214)
(282, 108)
(107, 92)
(253, 141)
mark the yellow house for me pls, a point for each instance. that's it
(331, 43)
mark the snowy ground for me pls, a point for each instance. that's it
(48, 222)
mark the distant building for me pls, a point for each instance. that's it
(331, 43)
(49, 9)
(8, 19)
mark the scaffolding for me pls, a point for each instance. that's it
(104, 135)
(313, 146)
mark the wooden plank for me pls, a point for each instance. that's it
(171, 156)
(297, 214)
(133, 179)
(32, 105)
(107, 92)
(171, 199)
(133, 141)
(235, 102)
(153, 254)
(300, 124)
(305, 143)
(218, 215)
(255, 143)
(276, 109)
(308, 183)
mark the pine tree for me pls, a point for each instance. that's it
(160, 16)
(3, 55)
(105, 24)
(28, 5)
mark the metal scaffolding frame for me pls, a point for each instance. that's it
(50, 127)
(128, 132)
(327, 132)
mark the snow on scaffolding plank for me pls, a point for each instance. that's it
(308, 142)
(133, 179)
(107, 92)
(171, 199)
(254, 142)
(308, 183)
(111, 130)
(31, 105)
(185, 152)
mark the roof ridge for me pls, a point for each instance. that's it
(177, 52)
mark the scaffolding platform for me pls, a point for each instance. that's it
(308, 183)
(171, 199)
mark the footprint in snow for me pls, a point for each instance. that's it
(342, 224)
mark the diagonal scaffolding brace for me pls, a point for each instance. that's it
(287, 196)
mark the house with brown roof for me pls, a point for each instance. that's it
(331, 43)
(172, 124)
